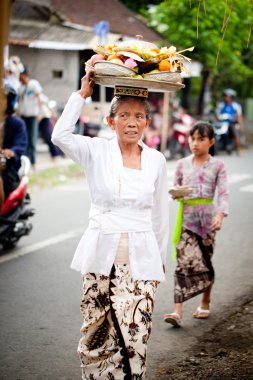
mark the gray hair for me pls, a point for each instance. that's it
(118, 100)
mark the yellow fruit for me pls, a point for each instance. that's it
(113, 56)
(155, 50)
(164, 65)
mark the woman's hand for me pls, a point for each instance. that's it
(217, 222)
(87, 84)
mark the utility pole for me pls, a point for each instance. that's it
(165, 123)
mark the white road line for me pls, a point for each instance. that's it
(73, 188)
(238, 177)
(247, 189)
(40, 245)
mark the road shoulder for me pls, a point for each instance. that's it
(224, 352)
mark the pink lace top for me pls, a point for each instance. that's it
(207, 182)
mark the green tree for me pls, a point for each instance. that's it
(220, 30)
(139, 5)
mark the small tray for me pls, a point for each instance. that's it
(151, 85)
(165, 76)
(180, 192)
(112, 69)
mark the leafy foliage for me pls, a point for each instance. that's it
(138, 5)
(220, 30)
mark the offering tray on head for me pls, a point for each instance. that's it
(151, 85)
(180, 192)
(138, 64)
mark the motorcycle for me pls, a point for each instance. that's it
(152, 137)
(224, 135)
(88, 128)
(178, 144)
(15, 214)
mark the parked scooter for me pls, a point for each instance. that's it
(87, 128)
(15, 213)
(152, 137)
(182, 124)
(224, 135)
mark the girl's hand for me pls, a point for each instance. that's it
(217, 222)
(87, 84)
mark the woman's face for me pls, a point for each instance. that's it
(129, 121)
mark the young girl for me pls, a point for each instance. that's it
(204, 174)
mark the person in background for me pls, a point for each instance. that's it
(121, 255)
(45, 126)
(197, 222)
(29, 109)
(232, 108)
(13, 68)
(14, 143)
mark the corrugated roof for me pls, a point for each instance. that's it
(31, 10)
(26, 33)
(90, 12)
(69, 25)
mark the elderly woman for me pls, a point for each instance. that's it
(121, 256)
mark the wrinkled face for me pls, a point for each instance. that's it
(129, 121)
(200, 145)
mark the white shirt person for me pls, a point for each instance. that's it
(122, 252)
(116, 207)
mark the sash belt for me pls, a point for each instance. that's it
(119, 220)
(179, 220)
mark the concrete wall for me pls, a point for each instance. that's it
(41, 64)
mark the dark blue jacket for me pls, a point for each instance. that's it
(15, 138)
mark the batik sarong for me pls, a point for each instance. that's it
(194, 272)
(117, 320)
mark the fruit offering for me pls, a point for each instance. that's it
(144, 58)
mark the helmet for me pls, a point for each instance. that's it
(229, 92)
(11, 95)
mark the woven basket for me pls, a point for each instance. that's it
(165, 76)
(180, 192)
(113, 69)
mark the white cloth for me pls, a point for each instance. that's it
(140, 209)
(28, 98)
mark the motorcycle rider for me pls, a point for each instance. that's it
(234, 110)
(14, 143)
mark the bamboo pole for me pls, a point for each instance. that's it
(165, 124)
(102, 98)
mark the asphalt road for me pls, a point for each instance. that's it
(40, 295)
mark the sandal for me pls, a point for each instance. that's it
(201, 313)
(173, 318)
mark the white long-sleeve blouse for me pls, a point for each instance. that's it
(141, 210)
